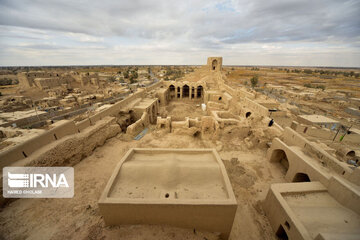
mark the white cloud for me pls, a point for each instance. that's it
(183, 32)
(84, 37)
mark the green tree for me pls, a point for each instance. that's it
(254, 81)
(308, 71)
(133, 76)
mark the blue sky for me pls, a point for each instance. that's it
(258, 32)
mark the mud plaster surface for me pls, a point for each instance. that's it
(79, 217)
(170, 175)
(316, 211)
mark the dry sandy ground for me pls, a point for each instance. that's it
(79, 217)
(179, 110)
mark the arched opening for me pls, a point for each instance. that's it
(279, 155)
(214, 64)
(199, 91)
(172, 91)
(192, 92)
(178, 92)
(247, 114)
(351, 153)
(186, 91)
(301, 177)
(281, 234)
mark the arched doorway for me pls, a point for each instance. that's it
(279, 156)
(248, 114)
(192, 92)
(172, 91)
(214, 64)
(199, 91)
(281, 234)
(186, 90)
(301, 177)
(178, 92)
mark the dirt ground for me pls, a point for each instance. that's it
(178, 110)
(79, 217)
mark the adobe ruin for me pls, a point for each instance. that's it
(227, 145)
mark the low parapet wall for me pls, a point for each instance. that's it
(254, 107)
(294, 211)
(204, 211)
(36, 118)
(83, 124)
(326, 133)
(139, 125)
(279, 213)
(292, 138)
(26, 148)
(226, 120)
(239, 93)
(346, 194)
(180, 124)
(154, 86)
(247, 94)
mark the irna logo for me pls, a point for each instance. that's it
(34, 180)
(38, 182)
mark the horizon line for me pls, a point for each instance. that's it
(224, 65)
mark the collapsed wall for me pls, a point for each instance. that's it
(73, 148)
(139, 125)
(70, 149)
